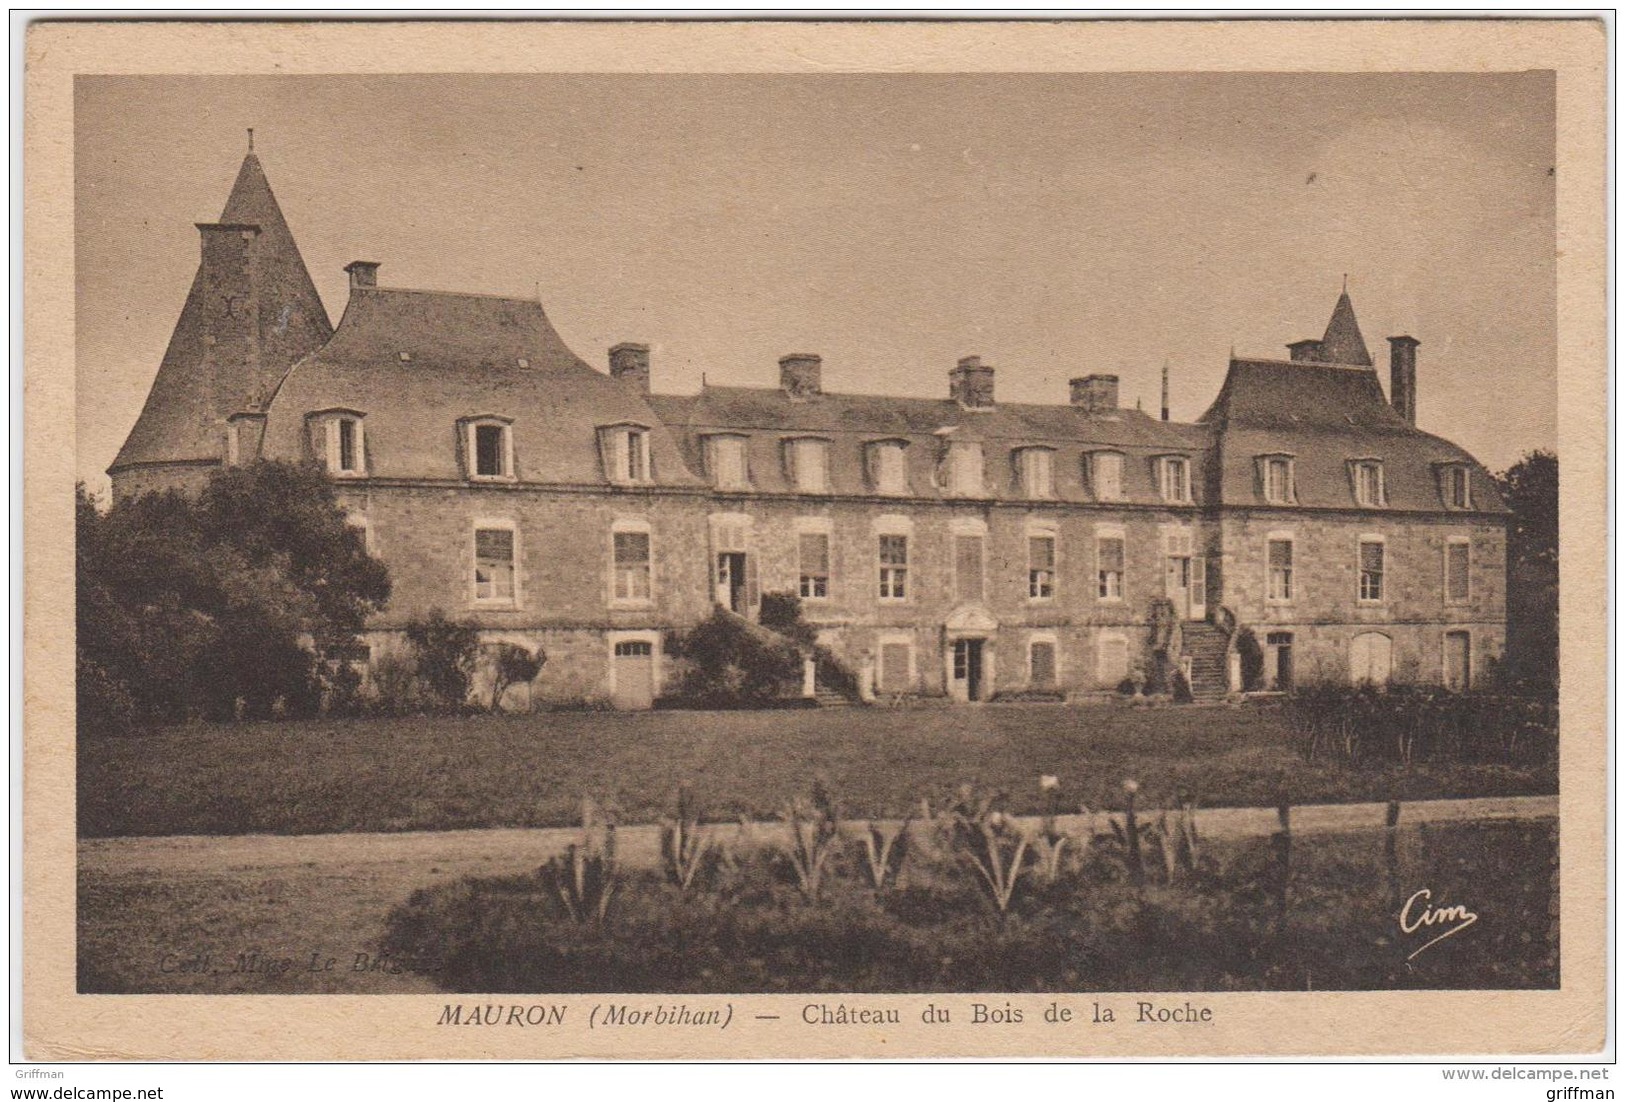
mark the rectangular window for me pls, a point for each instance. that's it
(1457, 563)
(347, 445)
(1176, 479)
(1458, 485)
(890, 473)
(1041, 663)
(637, 456)
(1109, 565)
(1368, 488)
(1371, 569)
(493, 564)
(893, 568)
(968, 568)
(965, 470)
(809, 463)
(814, 547)
(728, 463)
(1280, 559)
(488, 451)
(1106, 473)
(1037, 472)
(1040, 567)
(632, 566)
(1278, 481)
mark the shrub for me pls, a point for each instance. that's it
(1252, 660)
(446, 651)
(512, 664)
(1407, 724)
(732, 662)
(781, 612)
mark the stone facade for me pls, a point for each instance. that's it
(952, 546)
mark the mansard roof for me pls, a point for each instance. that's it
(186, 408)
(768, 416)
(415, 363)
(1324, 416)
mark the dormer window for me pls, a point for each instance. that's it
(338, 440)
(1369, 488)
(625, 449)
(1455, 483)
(488, 449)
(965, 469)
(1174, 478)
(1106, 475)
(806, 461)
(1035, 468)
(725, 459)
(888, 466)
(1275, 477)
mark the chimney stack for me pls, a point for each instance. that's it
(630, 363)
(363, 273)
(1095, 393)
(801, 374)
(1304, 350)
(1402, 376)
(970, 383)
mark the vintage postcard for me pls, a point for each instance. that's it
(815, 540)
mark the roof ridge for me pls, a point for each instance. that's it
(447, 294)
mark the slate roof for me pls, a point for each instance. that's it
(768, 416)
(1342, 343)
(1324, 415)
(469, 356)
(184, 416)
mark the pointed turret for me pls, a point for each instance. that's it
(252, 311)
(1342, 343)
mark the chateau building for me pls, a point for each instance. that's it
(954, 545)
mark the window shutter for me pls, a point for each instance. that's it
(753, 588)
(606, 453)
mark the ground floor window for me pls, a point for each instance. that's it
(1370, 658)
(1458, 661)
(896, 670)
(1278, 660)
(1041, 664)
(1113, 660)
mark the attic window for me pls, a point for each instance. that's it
(725, 459)
(1035, 470)
(625, 450)
(1106, 475)
(1455, 484)
(886, 465)
(1174, 478)
(488, 449)
(1369, 487)
(964, 469)
(806, 462)
(338, 439)
(1275, 479)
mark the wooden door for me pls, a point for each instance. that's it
(634, 676)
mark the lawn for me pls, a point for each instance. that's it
(441, 773)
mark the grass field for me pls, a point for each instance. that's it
(438, 773)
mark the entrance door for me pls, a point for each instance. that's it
(1278, 656)
(968, 668)
(1185, 578)
(731, 594)
(634, 675)
(1458, 665)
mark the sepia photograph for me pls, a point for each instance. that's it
(655, 536)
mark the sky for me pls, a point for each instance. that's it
(1055, 225)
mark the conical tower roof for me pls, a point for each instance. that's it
(198, 385)
(1342, 343)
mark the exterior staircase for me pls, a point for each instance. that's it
(832, 698)
(1206, 645)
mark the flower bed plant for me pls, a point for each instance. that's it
(973, 908)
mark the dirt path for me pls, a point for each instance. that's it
(488, 852)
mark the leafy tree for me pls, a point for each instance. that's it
(781, 612)
(209, 607)
(1530, 489)
(446, 651)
